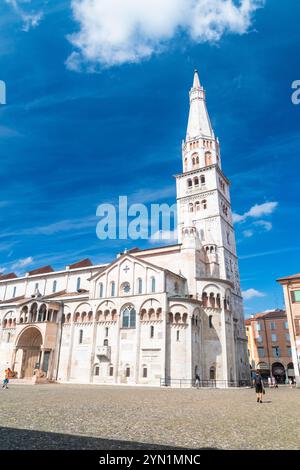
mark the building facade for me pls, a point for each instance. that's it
(269, 345)
(151, 316)
(291, 290)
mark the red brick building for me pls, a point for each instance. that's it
(269, 345)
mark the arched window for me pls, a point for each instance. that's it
(111, 371)
(212, 373)
(208, 158)
(204, 204)
(196, 181)
(210, 321)
(78, 282)
(189, 183)
(101, 289)
(140, 285)
(191, 207)
(145, 372)
(97, 370)
(204, 299)
(195, 158)
(202, 179)
(127, 372)
(14, 291)
(112, 288)
(212, 300)
(153, 286)
(105, 342)
(80, 338)
(151, 331)
(197, 206)
(54, 285)
(129, 317)
(177, 335)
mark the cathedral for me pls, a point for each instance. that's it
(158, 316)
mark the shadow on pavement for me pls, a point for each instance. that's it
(26, 439)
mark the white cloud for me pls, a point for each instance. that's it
(22, 263)
(248, 233)
(114, 32)
(267, 226)
(251, 293)
(30, 20)
(256, 211)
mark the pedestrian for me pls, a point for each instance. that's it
(197, 381)
(259, 386)
(269, 382)
(6, 378)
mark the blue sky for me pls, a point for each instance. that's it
(83, 124)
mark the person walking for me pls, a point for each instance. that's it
(197, 381)
(6, 378)
(259, 386)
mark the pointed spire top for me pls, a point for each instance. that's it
(199, 122)
(196, 83)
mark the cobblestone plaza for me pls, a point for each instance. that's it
(123, 417)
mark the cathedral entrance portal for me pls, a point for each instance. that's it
(30, 343)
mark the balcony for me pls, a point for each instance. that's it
(104, 351)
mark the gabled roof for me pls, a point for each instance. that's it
(136, 260)
(287, 278)
(268, 315)
(42, 270)
(81, 264)
(3, 277)
(14, 300)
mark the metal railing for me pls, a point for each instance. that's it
(185, 383)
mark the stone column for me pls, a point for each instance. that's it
(137, 352)
(94, 338)
(224, 344)
(13, 359)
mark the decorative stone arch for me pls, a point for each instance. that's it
(29, 336)
(67, 315)
(81, 311)
(227, 299)
(209, 295)
(208, 158)
(9, 319)
(128, 309)
(195, 159)
(179, 313)
(106, 311)
(150, 310)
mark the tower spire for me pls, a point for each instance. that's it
(199, 122)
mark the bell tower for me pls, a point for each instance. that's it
(203, 196)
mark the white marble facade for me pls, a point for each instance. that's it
(156, 314)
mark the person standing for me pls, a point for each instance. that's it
(6, 378)
(259, 386)
(197, 381)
